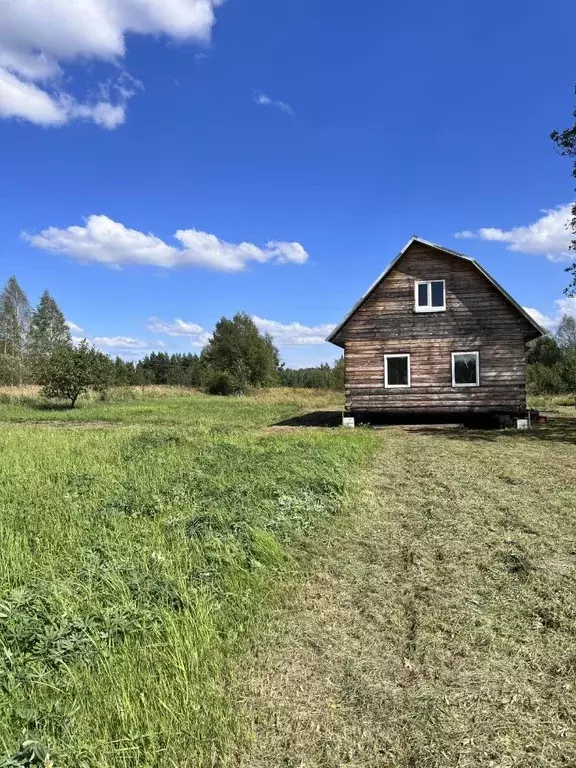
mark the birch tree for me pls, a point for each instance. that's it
(14, 327)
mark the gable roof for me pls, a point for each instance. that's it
(469, 259)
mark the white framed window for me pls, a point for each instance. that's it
(465, 369)
(430, 296)
(396, 371)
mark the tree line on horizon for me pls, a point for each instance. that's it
(36, 347)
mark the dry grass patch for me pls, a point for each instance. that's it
(437, 623)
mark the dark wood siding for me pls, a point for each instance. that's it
(477, 318)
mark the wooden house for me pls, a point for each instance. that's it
(435, 334)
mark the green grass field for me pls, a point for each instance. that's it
(138, 542)
(146, 542)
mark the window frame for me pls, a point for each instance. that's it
(469, 352)
(396, 386)
(429, 307)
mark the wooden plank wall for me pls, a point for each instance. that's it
(477, 317)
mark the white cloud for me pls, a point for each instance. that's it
(108, 242)
(294, 334)
(545, 321)
(201, 341)
(37, 37)
(19, 98)
(284, 334)
(549, 236)
(265, 101)
(180, 328)
(566, 306)
(127, 347)
(24, 99)
(562, 307)
(175, 328)
(120, 342)
(73, 327)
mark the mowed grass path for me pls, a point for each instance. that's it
(436, 627)
(140, 543)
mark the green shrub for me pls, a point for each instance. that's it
(221, 383)
(544, 380)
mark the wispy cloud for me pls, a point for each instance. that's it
(37, 38)
(294, 334)
(562, 307)
(175, 327)
(545, 321)
(548, 236)
(120, 342)
(73, 327)
(197, 336)
(129, 347)
(266, 101)
(287, 336)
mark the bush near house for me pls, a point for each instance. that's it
(551, 359)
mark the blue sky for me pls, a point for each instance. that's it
(140, 149)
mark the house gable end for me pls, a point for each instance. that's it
(475, 301)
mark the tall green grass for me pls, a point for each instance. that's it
(136, 561)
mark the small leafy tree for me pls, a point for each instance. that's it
(102, 372)
(238, 349)
(72, 371)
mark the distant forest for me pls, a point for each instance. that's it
(237, 357)
(187, 370)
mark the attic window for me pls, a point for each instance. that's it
(430, 296)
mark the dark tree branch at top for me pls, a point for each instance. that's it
(566, 143)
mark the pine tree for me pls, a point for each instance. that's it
(48, 330)
(14, 326)
(124, 373)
